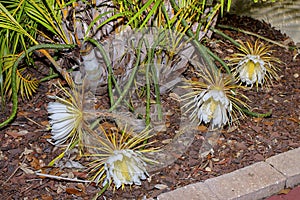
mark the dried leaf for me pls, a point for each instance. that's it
(26, 152)
(70, 164)
(258, 119)
(46, 197)
(207, 169)
(44, 123)
(268, 123)
(16, 134)
(35, 163)
(23, 113)
(74, 191)
(82, 175)
(202, 128)
(284, 191)
(160, 186)
(294, 120)
(81, 187)
(25, 168)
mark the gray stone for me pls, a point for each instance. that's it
(257, 181)
(197, 191)
(288, 164)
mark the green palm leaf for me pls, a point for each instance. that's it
(20, 22)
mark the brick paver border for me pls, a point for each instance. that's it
(253, 182)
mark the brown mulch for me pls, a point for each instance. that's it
(24, 145)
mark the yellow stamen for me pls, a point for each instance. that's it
(122, 166)
(250, 67)
(213, 106)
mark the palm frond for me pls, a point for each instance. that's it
(47, 15)
(26, 83)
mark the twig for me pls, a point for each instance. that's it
(13, 173)
(34, 122)
(61, 178)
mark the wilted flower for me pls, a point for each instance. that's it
(119, 157)
(214, 98)
(255, 64)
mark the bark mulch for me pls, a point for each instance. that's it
(24, 146)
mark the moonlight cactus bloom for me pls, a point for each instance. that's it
(65, 120)
(125, 167)
(213, 106)
(251, 70)
(68, 116)
(119, 156)
(214, 98)
(254, 64)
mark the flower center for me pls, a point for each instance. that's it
(122, 167)
(251, 68)
(212, 106)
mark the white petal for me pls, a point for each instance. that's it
(60, 124)
(57, 117)
(61, 132)
(54, 107)
(217, 120)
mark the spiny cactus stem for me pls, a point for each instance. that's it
(255, 114)
(258, 36)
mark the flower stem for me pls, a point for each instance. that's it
(101, 191)
(110, 79)
(54, 75)
(217, 58)
(131, 78)
(226, 37)
(255, 114)
(108, 64)
(258, 36)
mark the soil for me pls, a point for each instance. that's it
(25, 147)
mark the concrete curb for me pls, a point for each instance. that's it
(253, 182)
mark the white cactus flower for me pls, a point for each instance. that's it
(215, 99)
(251, 69)
(125, 167)
(254, 64)
(119, 157)
(65, 120)
(68, 115)
(212, 106)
